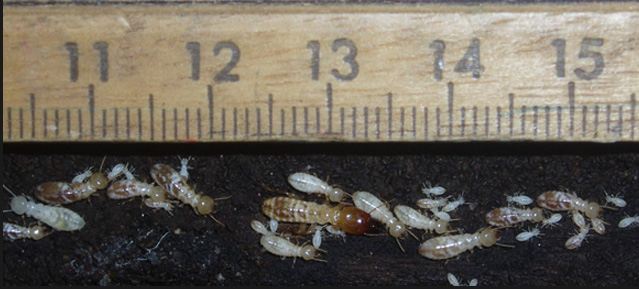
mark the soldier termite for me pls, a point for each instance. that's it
(282, 247)
(444, 247)
(379, 211)
(58, 218)
(508, 216)
(417, 220)
(307, 183)
(12, 232)
(175, 184)
(346, 218)
(562, 201)
(81, 187)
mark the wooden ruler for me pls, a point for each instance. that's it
(165, 73)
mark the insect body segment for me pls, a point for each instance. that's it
(12, 232)
(57, 217)
(561, 201)
(175, 184)
(347, 218)
(415, 219)
(444, 247)
(509, 216)
(282, 247)
(378, 210)
(307, 183)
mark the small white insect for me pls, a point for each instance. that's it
(578, 219)
(58, 218)
(282, 247)
(273, 224)
(317, 237)
(379, 211)
(629, 221)
(184, 169)
(440, 215)
(527, 235)
(452, 279)
(164, 205)
(12, 232)
(417, 220)
(451, 206)
(448, 246)
(311, 184)
(519, 199)
(428, 203)
(553, 220)
(83, 176)
(575, 241)
(617, 200)
(428, 190)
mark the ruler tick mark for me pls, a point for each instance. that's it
(224, 123)
(128, 123)
(377, 122)
(32, 105)
(633, 108)
(414, 116)
(401, 120)
(486, 121)
(199, 124)
(341, 121)
(608, 109)
(9, 121)
(390, 115)
(463, 120)
(282, 121)
(474, 120)
(535, 121)
(366, 122)
(140, 124)
(571, 101)
(511, 108)
(425, 122)
(329, 106)
(104, 122)
(354, 109)
(259, 122)
(437, 112)
(115, 122)
(450, 107)
(498, 120)
(163, 124)
(209, 96)
(559, 121)
(44, 122)
(21, 120)
(317, 117)
(235, 122)
(175, 124)
(246, 122)
(80, 123)
(306, 120)
(92, 110)
(596, 121)
(547, 110)
(151, 115)
(270, 115)
(523, 120)
(187, 121)
(293, 117)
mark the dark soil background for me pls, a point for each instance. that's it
(120, 244)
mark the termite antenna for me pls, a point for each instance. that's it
(216, 220)
(8, 190)
(102, 163)
(505, 245)
(412, 234)
(222, 198)
(400, 245)
(610, 208)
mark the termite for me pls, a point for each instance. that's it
(444, 247)
(427, 203)
(124, 189)
(415, 219)
(508, 216)
(310, 184)
(519, 199)
(527, 235)
(628, 221)
(175, 184)
(12, 232)
(282, 247)
(58, 193)
(58, 218)
(561, 201)
(451, 206)
(436, 190)
(346, 218)
(575, 241)
(452, 279)
(553, 220)
(380, 212)
(617, 201)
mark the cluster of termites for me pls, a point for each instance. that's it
(358, 213)
(168, 184)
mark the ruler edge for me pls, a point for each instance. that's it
(331, 7)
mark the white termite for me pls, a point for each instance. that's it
(414, 219)
(578, 219)
(527, 235)
(154, 196)
(452, 279)
(184, 168)
(282, 247)
(509, 216)
(273, 224)
(440, 214)
(12, 232)
(552, 220)
(451, 206)
(628, 221)
(519, 199)
(575, 241)
(58, 218)
(448, 246)
(317, 237)
(311, 184)
(428, 203)
(617, 200)
(429, 190)
(380, 212)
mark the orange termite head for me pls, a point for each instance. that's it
(354, 221)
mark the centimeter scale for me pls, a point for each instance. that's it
(334, 72)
